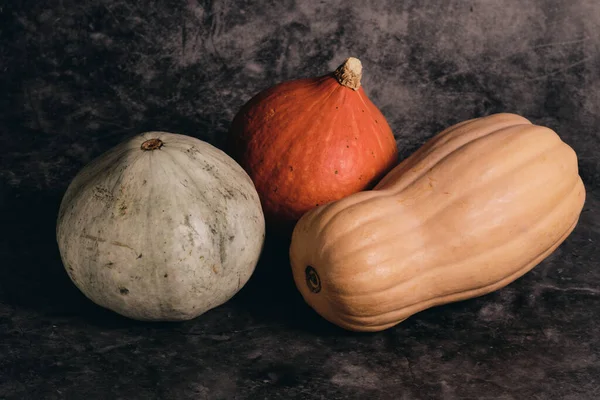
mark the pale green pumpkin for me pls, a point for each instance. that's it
(161, 227)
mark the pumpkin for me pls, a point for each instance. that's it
(310, 141)
(475, 208)
(162, 227)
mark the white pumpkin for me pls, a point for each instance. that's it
(162, 227)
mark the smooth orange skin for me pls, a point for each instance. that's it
(475, 208)
(308, 142)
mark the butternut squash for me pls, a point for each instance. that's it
(476, 207)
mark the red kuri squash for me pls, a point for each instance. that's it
(310, 141)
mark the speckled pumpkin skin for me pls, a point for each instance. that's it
(164, 234)
(310, 141)
(475, 208)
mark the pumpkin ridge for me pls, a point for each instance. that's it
(308, 94)
(382, 290)
(386, 242)
(89, 177)
(322, 124)
(316, 125)
(410, 180)
(346, 113)
(263, 139)
(368, 108)
(374, 218)
(382, 122)
(368, 131)
(435, 270)
(439, 143)
(202, 196)
(379, 143)
(280, 169)
(453, 153)
(348, 202)
(135, 155)
(275, 91)
(110, 169)
(219, 218)
(150, 238)
(203, 291)
(330, 123)
(479, 291)
(441, 206)
(107, 168)
(99, 181)
(481, 125)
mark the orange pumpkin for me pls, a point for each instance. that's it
(475, 208)
(310, 141)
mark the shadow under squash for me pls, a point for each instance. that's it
(271, 296)
(33, 277)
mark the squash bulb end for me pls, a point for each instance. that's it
(313, 281)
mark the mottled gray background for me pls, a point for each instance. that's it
(78, 76)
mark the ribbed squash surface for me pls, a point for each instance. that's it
(475, 208)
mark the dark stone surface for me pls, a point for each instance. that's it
(79, 76)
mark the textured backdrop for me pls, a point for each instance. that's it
(78, 76)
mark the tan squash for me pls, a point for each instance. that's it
(475, 208)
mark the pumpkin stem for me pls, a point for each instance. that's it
(349, 73)
(151, 144)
